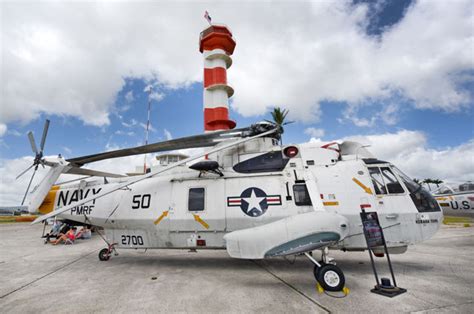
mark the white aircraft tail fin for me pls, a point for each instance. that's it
(40, 192)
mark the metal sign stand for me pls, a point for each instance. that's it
(375, 238)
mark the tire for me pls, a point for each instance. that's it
(316, 269)
(104, 255)
(331, 278)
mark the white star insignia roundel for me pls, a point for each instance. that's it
(254, 202)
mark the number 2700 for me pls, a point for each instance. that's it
(135, 240)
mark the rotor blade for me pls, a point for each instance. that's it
(25, 171)
(45, 133)
(28, 188)
(149, 175)
(95, 173)
(204, 140)
(32, 143)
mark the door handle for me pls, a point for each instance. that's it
(392, 216)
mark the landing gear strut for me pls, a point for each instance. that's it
(106, 253)
(328, 275)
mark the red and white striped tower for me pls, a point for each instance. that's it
(217, 45)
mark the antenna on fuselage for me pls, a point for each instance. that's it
(148, 89)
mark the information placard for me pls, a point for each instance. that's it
(372, 230)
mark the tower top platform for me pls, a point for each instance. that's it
(217, 37)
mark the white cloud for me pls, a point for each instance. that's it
(288, 55)
(313, 132)
(130, 124)
(390, 114)
(3, 129)
(150, 127)
(351, 114)
(157, 96)
(11, 189)
(14, 133)
(168, 135)
(67, 150)
(387, 113)
(322, 54)
(120, 132)
(129, 96)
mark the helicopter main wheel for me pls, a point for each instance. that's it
(104, 254)
(330, 277)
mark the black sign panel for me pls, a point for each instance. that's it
(372, 229)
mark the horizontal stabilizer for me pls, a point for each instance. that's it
(292, 235)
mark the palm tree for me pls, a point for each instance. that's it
(417, 181)
(437, 182)
(428, 181)
(279, 117)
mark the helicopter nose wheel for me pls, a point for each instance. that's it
(330, 277)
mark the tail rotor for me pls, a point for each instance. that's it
(38, 156)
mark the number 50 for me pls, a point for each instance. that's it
(141, 201)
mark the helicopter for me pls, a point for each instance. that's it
(245, 193)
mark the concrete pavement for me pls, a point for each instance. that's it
(439, 276)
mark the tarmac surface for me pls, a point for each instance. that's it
(438, 274)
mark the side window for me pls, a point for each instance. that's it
(393, 186)
(272, 161)
(301, 194)
(377, 180)
(196, 199)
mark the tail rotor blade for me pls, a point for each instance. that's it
(45, 133)
(28, 188)
(25, 171)
(32, 143)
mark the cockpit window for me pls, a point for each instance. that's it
(269, 162)
(422, 199)
(393, 186)
(377, 181)
(384, 181)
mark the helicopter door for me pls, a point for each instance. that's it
(196, 205)
(391, 201)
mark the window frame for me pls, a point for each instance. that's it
(384, 179)
(396, 177)
(373, 181)
(307, 192)
(189, 198)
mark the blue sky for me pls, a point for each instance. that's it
(371, 70)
